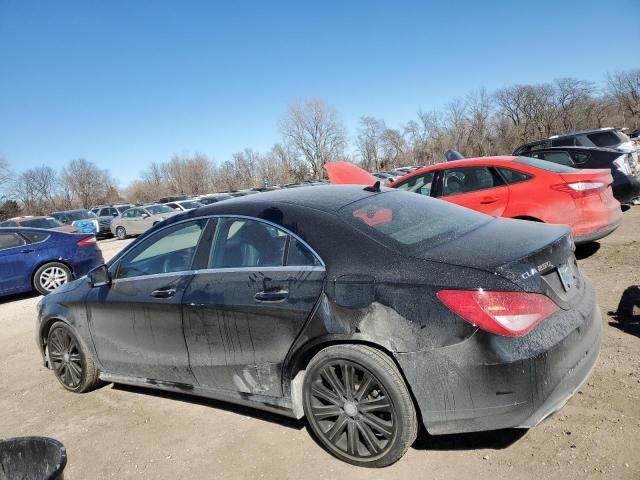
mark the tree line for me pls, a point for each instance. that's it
(482, 123)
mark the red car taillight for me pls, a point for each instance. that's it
(85, 242)
(581, 189)
(511, 314)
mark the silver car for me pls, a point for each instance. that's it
(138, 220)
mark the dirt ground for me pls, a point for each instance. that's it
(122, 432)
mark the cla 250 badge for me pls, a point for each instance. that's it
(536, 270)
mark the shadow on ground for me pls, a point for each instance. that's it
(206, 402)
(586, 250)
(18, 296)
(495, 440)
(627, 316)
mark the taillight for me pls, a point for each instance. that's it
(85, 242)
(511, 314)
(580, 189)
(622, 164)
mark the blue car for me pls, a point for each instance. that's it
(34, 258)
(84, 220)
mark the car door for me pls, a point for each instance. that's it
(15, 260)
(136, 321)
(477, 187)
(135, 221)
(243, 312)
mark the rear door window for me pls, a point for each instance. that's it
(35, 237)
(468, 179)
(513, 176)
(10, 240)
(299, 255)
(241, 243)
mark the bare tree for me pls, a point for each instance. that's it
(625, 88)
(87, 182)
(316, 131)
(5, 176)
(370, 143)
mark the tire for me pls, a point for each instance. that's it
(51, 276)
(70, 359)
(121, 233)
(371, 423)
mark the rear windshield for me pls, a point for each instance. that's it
(544, 165)
(605, 139)
(410, 223)
(41, 223)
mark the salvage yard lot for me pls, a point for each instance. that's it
(126, 432)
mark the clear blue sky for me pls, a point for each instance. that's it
(124, 83)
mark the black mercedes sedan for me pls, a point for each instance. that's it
(371, 313)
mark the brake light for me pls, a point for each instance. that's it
(622, 164)
(510, 314)
(85, 242)
(580, 189)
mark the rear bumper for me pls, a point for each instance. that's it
(597, 234)
(625, 190)
(489, 382)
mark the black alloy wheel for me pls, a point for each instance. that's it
(358, 406)
(70, 361)
(65, 357)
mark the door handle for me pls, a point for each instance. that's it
(487, 200)
(271, 295)
(27, 251)
(166, 292)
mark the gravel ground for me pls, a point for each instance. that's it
(122, 432)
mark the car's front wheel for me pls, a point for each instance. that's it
(358, 405)
(70, 360)
(51, 276)
(121, 233)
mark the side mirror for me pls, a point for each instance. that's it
(115, 214)
(145, 215)
(99, 277)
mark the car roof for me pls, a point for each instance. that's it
(585, 132)
(459, 163)
(327, 198)
(573, 147)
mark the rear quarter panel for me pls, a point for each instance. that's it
(535, 198)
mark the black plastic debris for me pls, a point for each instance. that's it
(32, 458)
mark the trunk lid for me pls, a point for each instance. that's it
(348, 173)
(536, 257)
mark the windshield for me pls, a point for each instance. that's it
(41, 223)
(191, 204)
(410, 223)
(80, 215)
(123, 208)
(157, 209)
(544, 165)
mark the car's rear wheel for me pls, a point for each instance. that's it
(121, 233)
(51, 276)
(358, 405)
(70, 360)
